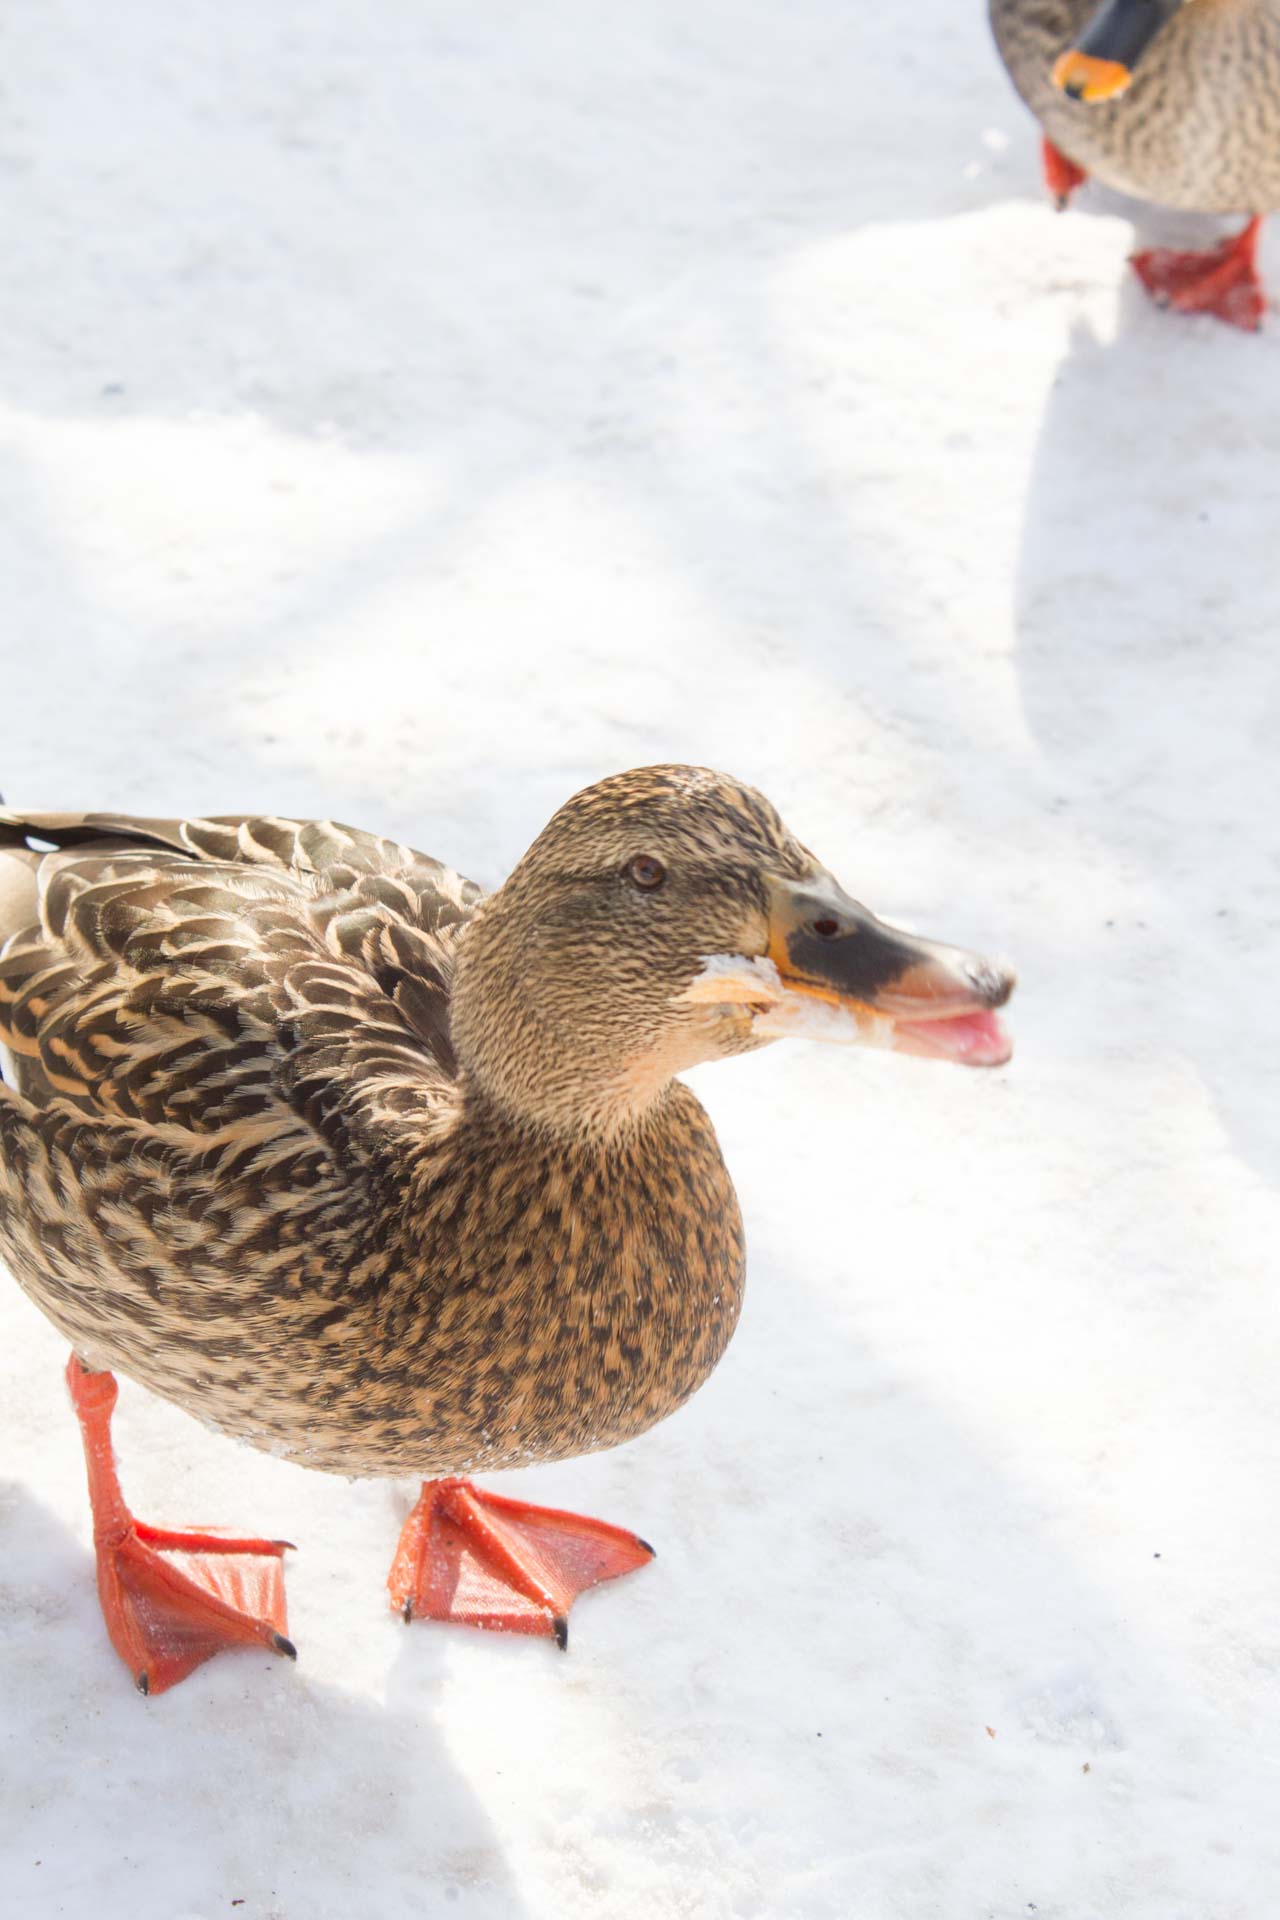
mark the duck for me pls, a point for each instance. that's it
(310, 1136)
(1175, 101)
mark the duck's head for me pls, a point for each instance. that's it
(1101, 63)
(666, 917)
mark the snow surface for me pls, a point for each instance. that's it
(416, 411)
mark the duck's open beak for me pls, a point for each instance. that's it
(835, 972)
(1100, 65)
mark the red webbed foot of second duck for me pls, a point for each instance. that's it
(486, 1561)
(1225, 281)
(1061, 176)
(171, 1599)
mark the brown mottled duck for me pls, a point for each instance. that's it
(1176, 101)
(307, 1135)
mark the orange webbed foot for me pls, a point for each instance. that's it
(1224, 281)
(487, 1561)
(171, 1598)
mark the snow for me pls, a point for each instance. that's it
(414, 412)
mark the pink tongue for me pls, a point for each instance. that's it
(974, 1039)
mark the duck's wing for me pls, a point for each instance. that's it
(242, 975)
(336, 859)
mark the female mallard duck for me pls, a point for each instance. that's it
(1171, 100)
(309, 1137)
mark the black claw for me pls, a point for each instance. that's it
(651, 1551)
(560, 1628)
(285, 1543)
(142, 1683)
(407, 1611)
(284, 1646)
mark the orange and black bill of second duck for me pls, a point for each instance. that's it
(1101, 64)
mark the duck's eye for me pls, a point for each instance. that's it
(646, 872)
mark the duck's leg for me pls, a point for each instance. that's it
(171, 1600)
(1225, 281)
(487, 1561)
(1061, 176)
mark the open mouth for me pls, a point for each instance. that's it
(833, 971)
(954, 1026)
(973, 1039)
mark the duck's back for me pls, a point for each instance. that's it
(1200, 125)
(209, 1028)
(109, 924)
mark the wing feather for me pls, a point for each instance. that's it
(243, 976)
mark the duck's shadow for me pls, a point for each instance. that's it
(252, 1787)
(1147, 601)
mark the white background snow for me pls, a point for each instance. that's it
(412, 413)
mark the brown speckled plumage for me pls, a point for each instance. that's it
(306, 1136)
(1200, 125)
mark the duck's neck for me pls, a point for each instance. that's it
(582, 1072)
(570, 1125)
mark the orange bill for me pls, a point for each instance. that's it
(1085, 78)
(833, 971)
(1101, 64)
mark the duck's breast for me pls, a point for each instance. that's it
(541, 1305)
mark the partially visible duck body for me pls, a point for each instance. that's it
(1174, 101)
(308, 1136)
